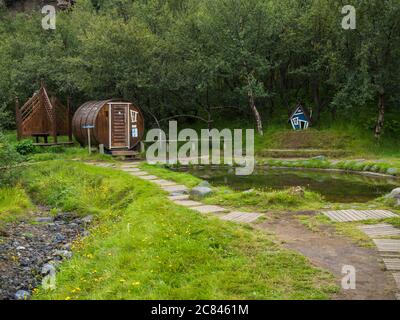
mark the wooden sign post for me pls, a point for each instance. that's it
(88, 127)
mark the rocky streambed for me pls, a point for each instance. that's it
(34, 248)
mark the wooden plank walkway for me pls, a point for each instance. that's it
(188, 203)
(138, 173)
(392, 264)
(387, 245)
(180, 197)
(358, 215)
(244, 217)
(396, 276)
(176, 188)
(132, 169)
(164, 183)
(380, 230)
(150, 177)
(204, 209)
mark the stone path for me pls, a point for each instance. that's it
(179, 194)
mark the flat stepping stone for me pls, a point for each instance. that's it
(176, 188)
(105, 165)
(245, 217)
(131, 165)
(392, 264)
(165, 183)
(131, 169)
(188, 203)
(180, 197)
(139, 173)
(151, 178)
(387, 245)
(358, 215)
(209, 209)
(380, 230)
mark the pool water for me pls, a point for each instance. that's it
(333, 186)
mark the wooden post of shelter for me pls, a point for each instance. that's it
(53, 119)
(18, 118)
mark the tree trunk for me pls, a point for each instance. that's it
(255, 113)
(317, 101)
(381, 116)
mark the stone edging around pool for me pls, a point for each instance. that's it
(363, 173)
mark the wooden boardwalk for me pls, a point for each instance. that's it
(388, 248)
(246, 217)
(392, 264)
(358, 215)
(387, 245)
(380, 230)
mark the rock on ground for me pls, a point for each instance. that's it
(200, 192)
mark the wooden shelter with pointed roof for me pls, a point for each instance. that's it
(43, 116)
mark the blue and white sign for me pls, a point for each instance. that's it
(135, 133)
(88, 127)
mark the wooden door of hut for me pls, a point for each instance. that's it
(119, 121)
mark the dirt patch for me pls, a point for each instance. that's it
(331, 252)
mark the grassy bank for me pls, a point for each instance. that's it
(14, 203)
(389, 167)
(337, 140)
(145, 247)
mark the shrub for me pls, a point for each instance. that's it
(25, 147)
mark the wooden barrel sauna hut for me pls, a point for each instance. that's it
(117, 125)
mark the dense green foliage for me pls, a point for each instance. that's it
(146, 247)
(9, 158)
(191, 57)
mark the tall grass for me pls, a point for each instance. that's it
(14, 203)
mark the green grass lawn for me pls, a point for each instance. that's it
(145, 247)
